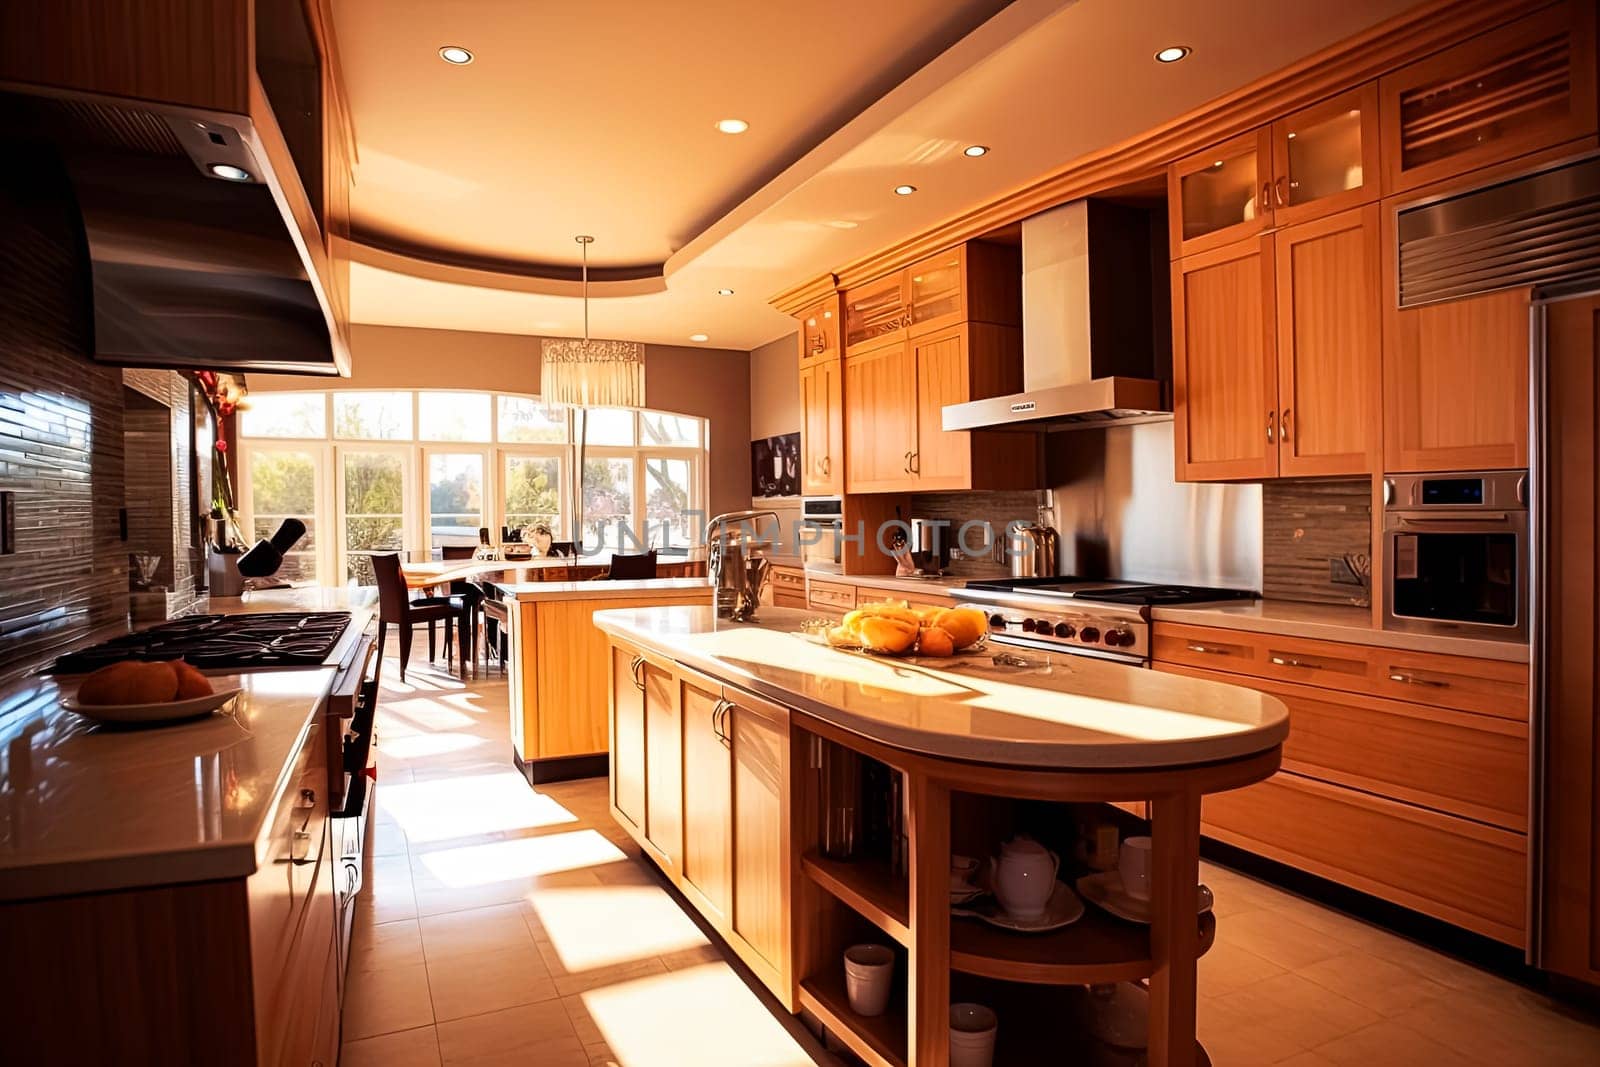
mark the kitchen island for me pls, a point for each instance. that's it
(720, 735)
(557, 662)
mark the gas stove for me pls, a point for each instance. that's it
(1106, 619)
(223, 642)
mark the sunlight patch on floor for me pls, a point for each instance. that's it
(426, 713)
(445, 808)
(420, 745)
(520, 858)
(602, 926)
(702, 1015)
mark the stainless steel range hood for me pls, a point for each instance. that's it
(1095, 338)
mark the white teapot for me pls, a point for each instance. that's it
(1023, 877)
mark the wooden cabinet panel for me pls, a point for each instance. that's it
(1525, 86)
(788, 587)
(1222, 195)
(627, 735)
(1571, 710)
(942, 459)
(1329, 345)
(1455, 381)
(822, 446)
(707, 797)
(819, 331)
(1480, 686)
(1474, 766)
(663, 763)
(759, 734)
(880, 390)
(835, 597)
(1460, 871)
(1224, 365)
(1325, 157)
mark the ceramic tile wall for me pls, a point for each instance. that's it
(1304, 525)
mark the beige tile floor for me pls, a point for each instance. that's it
(507, 925)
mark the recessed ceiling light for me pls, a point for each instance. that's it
(1173, 53)
(975, 150)
(904, 190)
(724, 292)
(454, 53)
(229, 172)
(732, 125)
(698, 337)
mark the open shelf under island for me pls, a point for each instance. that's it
(719, 733)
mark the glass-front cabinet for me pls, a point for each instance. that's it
(1325, 157)
(1221, 195)
(819, 331)
(936, 291)
(876, 313)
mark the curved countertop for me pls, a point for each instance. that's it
(1075, 713)
(603, 589)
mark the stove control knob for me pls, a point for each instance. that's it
(1043, 626)
(1122, 638)
(1064, 629)
(1028, 626)
(997, 622)
(1089, 635)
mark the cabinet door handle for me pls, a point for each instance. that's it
(1208, 650)
(1272, 420)
(636, 668)
(1266, 198)
(916, 463)
(907, 465)
(1284, 425)
(1281, 187)
(827, 464)
(1289, 661)
(1411, 679)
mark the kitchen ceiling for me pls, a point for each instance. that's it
(600, 118)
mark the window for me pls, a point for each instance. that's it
(524, 420)
(402, 470)
(373, 501)
(281, 483)
(285, 415)
(372, 416)
(455, 500)
(453, 416)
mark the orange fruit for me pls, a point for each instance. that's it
(108, 685)
(153, 683)
(191, 683)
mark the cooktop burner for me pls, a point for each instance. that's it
(1111, 591)
(222, 642)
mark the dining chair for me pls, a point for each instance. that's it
(633, 568)
(565, 549)
(395, 607)
(472, 593)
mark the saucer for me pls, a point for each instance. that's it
(961, 896)
(1107, 891)
(1063, 909)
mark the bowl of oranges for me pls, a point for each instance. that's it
(894, 628)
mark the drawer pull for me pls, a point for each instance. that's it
(634, 669)
(1286, 661)
(1411, 679)
(1208, 650)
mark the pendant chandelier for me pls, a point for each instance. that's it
(588, 373)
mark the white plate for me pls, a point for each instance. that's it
(1064, 909)
(1107, 891)
(168, 712)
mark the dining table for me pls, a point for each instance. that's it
(429, 574)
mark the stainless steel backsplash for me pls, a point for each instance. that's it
(1122, 513)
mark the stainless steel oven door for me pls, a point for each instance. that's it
(1463, 574)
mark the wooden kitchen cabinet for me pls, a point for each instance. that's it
(627, 737)
(1276, 353)
(1325, 157)
(1329, 344)
(1455, 383)
(876, 313)
(1224, 363)
(1222, 195)
(978, 281)
(894, 398)
(822, 439)
(729, 771)
(819, 331)
(1526, 86)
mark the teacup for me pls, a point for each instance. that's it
(962, 868)
(1133, 863)
(972, 1034)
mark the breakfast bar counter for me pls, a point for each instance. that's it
(737, 748)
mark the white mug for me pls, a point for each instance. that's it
(962, 868)
(972, 1033)
(868, 974)
(1133, 863)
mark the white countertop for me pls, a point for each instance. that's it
(86, 807)
(1079, 712)
(643, 588)
(1332, 622)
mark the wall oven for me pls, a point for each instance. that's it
(1455, 553)
(821, 547)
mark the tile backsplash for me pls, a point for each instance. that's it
(996, 508)
(60, 435)
(1305, 524)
